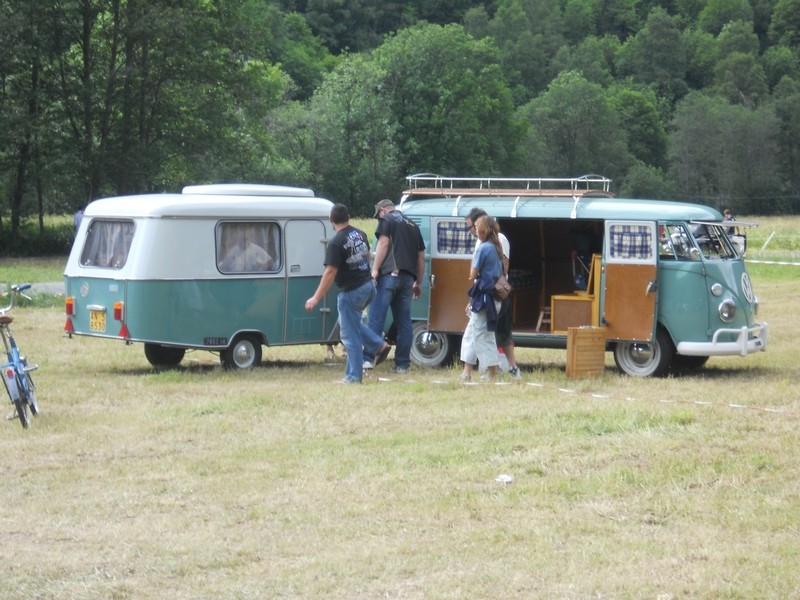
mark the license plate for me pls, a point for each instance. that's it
(97, 320)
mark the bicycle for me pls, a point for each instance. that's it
(16, 371)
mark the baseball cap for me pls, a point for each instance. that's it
(382, 204)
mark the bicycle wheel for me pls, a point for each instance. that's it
(30, 391)
(22, 412)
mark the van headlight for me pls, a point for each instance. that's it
(727, 310)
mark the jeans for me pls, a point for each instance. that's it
(395, 292)
(356, 336)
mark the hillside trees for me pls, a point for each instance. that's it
(349, 96)
(574, 130)
(429, 99)
(723, 152)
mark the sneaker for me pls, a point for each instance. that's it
(515, 373)
(464, 377)
(381, 356)
(486, 378)
(367, 365)
(401, 370)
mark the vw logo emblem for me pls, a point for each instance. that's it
(747, 288)
(84, 289)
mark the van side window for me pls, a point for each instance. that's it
(453, 237)
(674, 242)
(248, 247)
(630, 242)
(107, 244)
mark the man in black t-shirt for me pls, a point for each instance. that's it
(347, 264)
(398, 270)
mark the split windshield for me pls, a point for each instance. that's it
(678, 240)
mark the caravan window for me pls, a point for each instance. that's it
(248, 247)
(107, 244)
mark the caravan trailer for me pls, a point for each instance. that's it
(662, 279)
(225, 268)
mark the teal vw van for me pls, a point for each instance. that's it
(225, 268)
(662, 279)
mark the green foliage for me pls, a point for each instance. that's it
(656, 55)
(717, 13)
(450, 100)
(785, 24)
(114, 98)
(708, 160)
(574, 129)
(54, 239)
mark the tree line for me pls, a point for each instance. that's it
(688, 99)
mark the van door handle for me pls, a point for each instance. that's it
(325, 310)
(652, 286)
(433, 281)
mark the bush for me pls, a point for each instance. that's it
(55, 240)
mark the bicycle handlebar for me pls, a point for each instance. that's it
(16, 289)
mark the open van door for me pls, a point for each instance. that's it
(451, 257)
(629, 299)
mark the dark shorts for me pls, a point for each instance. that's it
(503, 329)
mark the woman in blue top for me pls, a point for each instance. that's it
(478, 343)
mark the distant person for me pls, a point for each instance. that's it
(77, 219)
(728, 215)
(347, 264)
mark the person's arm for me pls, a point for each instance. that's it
(420, 274)
(324, 285)
(381, 250)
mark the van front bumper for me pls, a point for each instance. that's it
(748, 340)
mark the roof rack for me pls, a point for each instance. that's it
(430, 184)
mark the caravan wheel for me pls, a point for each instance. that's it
(243, 353)
(164, 357)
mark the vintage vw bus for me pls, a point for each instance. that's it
(225, 268)
(662, 279)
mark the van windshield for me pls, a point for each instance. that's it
(678, 241)
(712, 240)
(107, 243)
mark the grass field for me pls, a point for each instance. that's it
(278, 483)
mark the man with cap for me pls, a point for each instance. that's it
(398, 269)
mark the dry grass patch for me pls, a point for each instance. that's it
(200, 483)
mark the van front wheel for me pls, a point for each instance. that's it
(243, 353)
(645, 359)
(430, 349)
(165, 357)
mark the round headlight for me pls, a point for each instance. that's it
(716, 289)
(727, 310)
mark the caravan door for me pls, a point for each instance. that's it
(305, 258)
(630, 288)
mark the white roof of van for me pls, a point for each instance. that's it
(214, 202)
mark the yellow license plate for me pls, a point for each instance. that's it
(97, 320)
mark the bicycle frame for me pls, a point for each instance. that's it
(16, 379)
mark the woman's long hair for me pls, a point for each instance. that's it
(488, 229)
